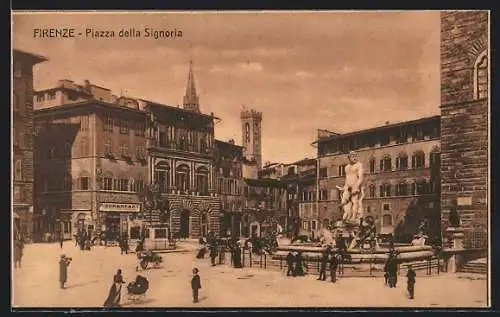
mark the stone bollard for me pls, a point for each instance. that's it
(457, 234)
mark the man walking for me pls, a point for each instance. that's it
(63, 270)
(289, 263)
(323, 263)
(334, 262)
(411, 282)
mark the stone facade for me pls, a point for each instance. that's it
(464, 120)
(399, 163)
(22, 133)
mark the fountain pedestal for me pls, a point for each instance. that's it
(457, 236)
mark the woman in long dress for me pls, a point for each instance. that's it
(115, 291)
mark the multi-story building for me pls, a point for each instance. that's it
(229, 181)
(96, 152)
(401, 175)
(464, 121)
(299, 179)
(90, 159)
(22, 136)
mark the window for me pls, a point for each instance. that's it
(182, 143)
(51, 95)
(323, 172)
(402, 189)
(40, 98)
(402, 137)
(422, 187)
(481, 76)
(418, 134)
(123, 184)
(202, 181)
(107, 181)
(371, 190)
(313, 225)
(385, 190)
(18, 170)
(163, 138)
(372, 165)
(162, 176)
(84, 123)
(139, 129)
(84, 183)
(323, 194)
(402, 162)
(182, 178)
(124, 129)
(386, 164)
(418, 160)
(108, 123)
(386, 220)
(413, 189)
(108, 145)
(247, 132)
(203, 144)
(342, 170)
(124, 150)
(140, 152)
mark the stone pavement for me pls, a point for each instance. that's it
(91, 273)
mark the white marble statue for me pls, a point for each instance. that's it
(352, 191)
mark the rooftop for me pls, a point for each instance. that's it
(378, 129)
(35, 58)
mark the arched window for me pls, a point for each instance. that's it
(18, 170)
(372, 165)
(162, 173)
(83, 182)
(402, 161)
(202, 180)
(247, 132)
(481, 76)
(402, 189)
(123, 183)
(182, 178)
(107, 181)
(386, 163)
(418, 160)
(371, 189)
(385, 190)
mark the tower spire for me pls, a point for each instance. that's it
(191, 102)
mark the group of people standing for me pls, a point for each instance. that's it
(83, 240)
(295, 262)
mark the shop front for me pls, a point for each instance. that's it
(116, 218)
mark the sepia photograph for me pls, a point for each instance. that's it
(250, 159)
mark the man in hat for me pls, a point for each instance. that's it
(195, 285)
(63, 269)
(411, 282)
(352, 195)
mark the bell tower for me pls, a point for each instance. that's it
(251, 125)
(191, 101)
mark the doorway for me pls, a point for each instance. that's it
(185, 222)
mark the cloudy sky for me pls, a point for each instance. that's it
(341, 71)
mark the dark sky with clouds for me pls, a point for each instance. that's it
(341, 71)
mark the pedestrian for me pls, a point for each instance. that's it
(63, 269)
(18, 252)
(195, 285)
(334, 263)
(213, 253)
(323, 263)
(299, 264)
(114, 295)
(411, 275)
(392, 270)
(289, 262)
(61, 240)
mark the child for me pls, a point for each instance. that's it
(411, 282)
(195, 285)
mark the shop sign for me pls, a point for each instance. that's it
(464, 201)
(118, 207)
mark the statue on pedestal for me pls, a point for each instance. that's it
(352, 195)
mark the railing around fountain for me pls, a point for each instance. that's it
(366, 267)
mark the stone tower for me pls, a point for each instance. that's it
(464, 121)
(251, 128)
(191, 101)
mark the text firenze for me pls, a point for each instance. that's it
(97, 34)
